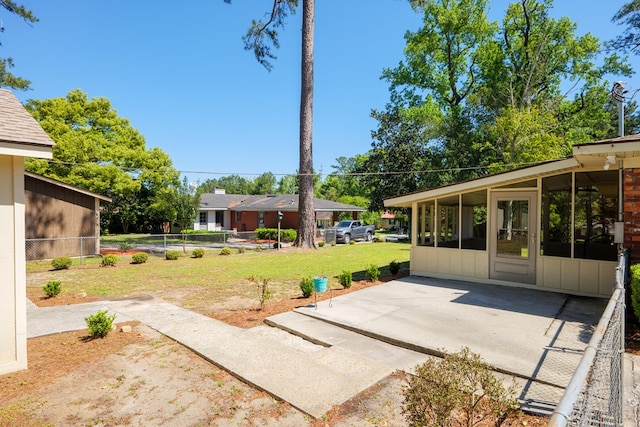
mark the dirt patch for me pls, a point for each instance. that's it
(145, 378)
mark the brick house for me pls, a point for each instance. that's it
(220, 211)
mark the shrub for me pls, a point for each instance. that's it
(394, 267)
(345, 279)
(264, 291)
(172, 255)
(61, 263)
(306, 286)
(225, 251)
(52, 288)
(457, 390)
(259, 248)
(635, 289)
(372, 273)
(333, 243)
(99, 324)
(377, 239)
(109, 260)
(139, 257)
(321, 244)
(198, 253)
(124, 246)
(240, 249)
(352, 242)
(286, 235)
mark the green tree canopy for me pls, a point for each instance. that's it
(101, 152)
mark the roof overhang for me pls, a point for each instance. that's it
(504, 178)
(41, 151)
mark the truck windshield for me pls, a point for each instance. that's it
(344, 224)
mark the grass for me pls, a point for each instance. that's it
(215, 278)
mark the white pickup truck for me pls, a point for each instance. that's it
(345, 231)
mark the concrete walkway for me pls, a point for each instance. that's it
(364, 336)
(310, 377)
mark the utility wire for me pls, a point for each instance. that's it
(353, 174)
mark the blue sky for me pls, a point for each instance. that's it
(179, 73)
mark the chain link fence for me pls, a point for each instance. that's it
(49, 248)
(160, 243)
(594, 394)
(80, 247)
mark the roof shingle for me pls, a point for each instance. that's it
(17, 125)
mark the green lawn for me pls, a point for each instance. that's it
(216, 278)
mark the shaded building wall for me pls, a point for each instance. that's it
(55, 212)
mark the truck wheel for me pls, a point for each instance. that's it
(368, 237)
(347, 239)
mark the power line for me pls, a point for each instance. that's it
(349, 174)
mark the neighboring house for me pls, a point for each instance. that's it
(20, 136)
(389, 221)
(65, 219)
(220, 211)
(554, 226)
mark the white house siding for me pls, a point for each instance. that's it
(13, 333)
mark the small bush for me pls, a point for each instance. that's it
(321, 244)
(372, 273)
(352, 242)
(225, 251)
(345, 279)
(240, 249)
(635, 289)
(109, 260)
(124, 246)
(259, 248)
(52, 288)
(99, 324)
(139, 257)
(172, 255)
(333, 243)
(198, 253)
(377, 239)
(460, 389)
(61, 263)
(394, 267)
(306, 286)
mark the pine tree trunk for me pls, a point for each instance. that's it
(306, 213)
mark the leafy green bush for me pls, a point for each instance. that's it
(372, 273)
(352, 242)
(139, 257)
(460, 389)
(286, 235)
(61, 263)
(99, 324)
(172, 255)
(345, 278)
(109, 260)
(321, 244)
(635, 289)
(259, 248)
(377, 239)
(198, 253)
(225, 251)
(124, 246)
(306, 286)
(394, 267)
(240, 249)
(52, 288)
